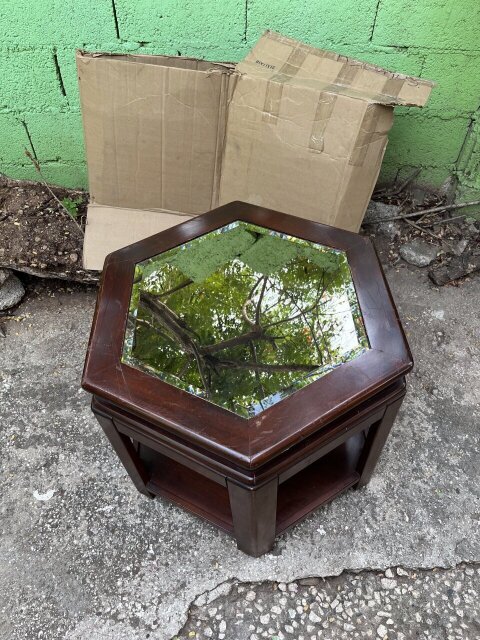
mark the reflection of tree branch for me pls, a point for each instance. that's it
(324, 339)
(205, 360)
(315, 341)
(184, 368)
(176, 326)
(257, 374)
(259, 366)
(244, 312)
(279, 300)
(182, 285)
(239, 340)
(310, 325)
(169, 320)
(291, 318)
(301, 311)
(254, 288)
(245, 338)
(144, 323)
(205, 375)
(259, 302)
(249, 301)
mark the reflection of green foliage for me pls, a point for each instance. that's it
(206, 321)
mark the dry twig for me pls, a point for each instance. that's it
(446, 221)
(36, 164)
(423, 212)
(394, 191)
(426, 231)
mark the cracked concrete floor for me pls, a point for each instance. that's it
(395, 605)
(84, 555)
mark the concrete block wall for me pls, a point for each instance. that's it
(435, 39)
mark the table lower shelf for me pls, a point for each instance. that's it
(297, 497)
(318, 483)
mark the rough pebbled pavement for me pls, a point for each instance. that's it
(395, 605)
(82, 554)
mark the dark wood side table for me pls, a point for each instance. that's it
(247, 365)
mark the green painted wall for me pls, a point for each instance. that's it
(435, 39)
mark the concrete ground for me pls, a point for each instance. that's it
(83, 555)
(438, 603)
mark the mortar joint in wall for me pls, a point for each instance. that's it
(374, 22)
(30, 141)
(245, 27)
(115, 20)
(59, 73)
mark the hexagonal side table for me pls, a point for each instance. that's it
(248, 366)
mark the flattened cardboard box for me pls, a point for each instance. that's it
(291, 127)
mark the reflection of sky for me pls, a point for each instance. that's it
(345, 337)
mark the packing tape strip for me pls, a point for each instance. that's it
(326, 104)
(273, 95)
(391, 88)
(368, 133)
(369, 129)
(323, 112)
(347, 74)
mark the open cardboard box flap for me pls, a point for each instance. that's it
(279, 59)
(291, 127)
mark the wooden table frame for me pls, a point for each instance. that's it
(254, 477)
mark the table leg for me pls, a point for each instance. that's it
(126, 452)
(254, 513)
(376, 438)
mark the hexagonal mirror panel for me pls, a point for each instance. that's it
(243, 316)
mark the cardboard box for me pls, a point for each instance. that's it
(291, 127)
(154, 131)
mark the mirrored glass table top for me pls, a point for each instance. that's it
(243, 316)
